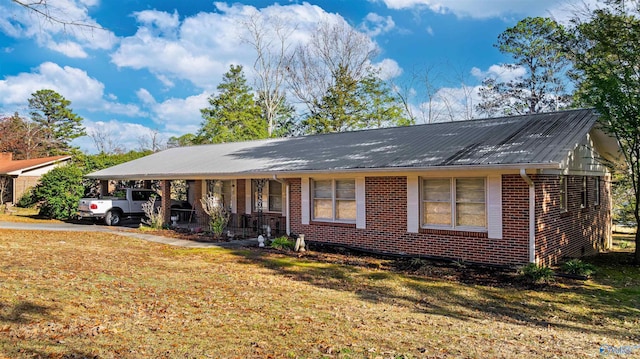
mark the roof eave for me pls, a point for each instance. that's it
(267, 173)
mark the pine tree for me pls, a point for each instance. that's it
(233, 114)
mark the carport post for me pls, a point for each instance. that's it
(166, 200)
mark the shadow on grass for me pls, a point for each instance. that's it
(596, 307)
(20, 312)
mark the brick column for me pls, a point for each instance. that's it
(201, 217)
(166, 200)
(104, 187)
(146, 184)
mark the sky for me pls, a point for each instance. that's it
(147, 67)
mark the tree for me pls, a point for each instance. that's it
(59, 191)
(335, 52)
(351, 105)
(188, 139)
(233, 114)
(53, 14)
(268, 36)
(51, 111)
(542, 87)
(605, 51)
(21, 137)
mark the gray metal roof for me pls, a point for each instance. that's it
(531, 141)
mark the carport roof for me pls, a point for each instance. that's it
(529, 141)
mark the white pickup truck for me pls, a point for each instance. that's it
(125, 203)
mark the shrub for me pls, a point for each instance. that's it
(283, 243)
(578, 267)
(59, 191)
(27, 200)
(534, 273)
(218, 215)
(154, 217)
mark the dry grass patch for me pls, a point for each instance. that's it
(70, 295)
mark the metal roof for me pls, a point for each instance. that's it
(531, 141)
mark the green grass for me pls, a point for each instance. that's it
(68, 294)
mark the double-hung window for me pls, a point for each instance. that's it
(454, 203)
(334, 200)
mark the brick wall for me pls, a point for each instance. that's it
(578, 231)
(386, 230)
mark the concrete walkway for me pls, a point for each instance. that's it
(127, 231)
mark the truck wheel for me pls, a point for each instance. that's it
(112, 218)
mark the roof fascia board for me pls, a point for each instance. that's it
(506, 169)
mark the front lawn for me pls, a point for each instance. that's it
(75, 295)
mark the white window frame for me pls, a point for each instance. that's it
(453, 204)
(596, 195)
(584, 193)
(563, 193)
(333, 200)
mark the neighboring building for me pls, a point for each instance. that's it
(502, 191)
(18, 176)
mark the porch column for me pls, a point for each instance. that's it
(166, 200)
(146, 184)
(197, 203)
(104, 187)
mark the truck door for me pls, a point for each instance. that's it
(138, 198)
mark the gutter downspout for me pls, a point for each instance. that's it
(532, 215)
(286, 202)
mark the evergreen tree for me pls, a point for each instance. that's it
(350, 105)
(51, 111)
(233, 115)
(542, 87)
(606, 53)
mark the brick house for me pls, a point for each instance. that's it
(500, 191)
(18, 176)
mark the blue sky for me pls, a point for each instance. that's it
(157, 61)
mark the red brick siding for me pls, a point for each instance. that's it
(386, 230)
(576, 232)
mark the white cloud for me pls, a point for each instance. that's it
(69, 48)
(482, 9)
(500, 73)
(200, 48)
(117, 134)
(74, 84)
(374, 24)
(389, 69)
(162, 20)
(175, 115)
(68, 39)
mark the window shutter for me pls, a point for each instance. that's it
(361, 206)
(494, 206)
(247, 196)
(304, 200)
(413, 204)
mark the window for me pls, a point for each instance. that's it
(563, 193)
(141, 195)
(334, 200)
(596, 196)
(224, 189)
(275, 196)
(584, 193)
(271, 196)
(454, 202)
